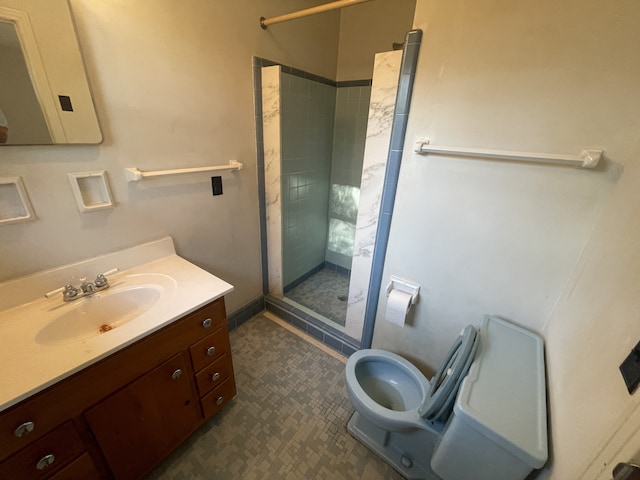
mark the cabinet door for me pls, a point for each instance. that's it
(140, 424)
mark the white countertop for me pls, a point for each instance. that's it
(30, 365)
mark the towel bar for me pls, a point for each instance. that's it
(586, 159)
(135, 175)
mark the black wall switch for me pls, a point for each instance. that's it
(630, 369)
(216, 185)
(65, 103)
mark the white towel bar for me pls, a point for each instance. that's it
(586, 159)
(135, 175)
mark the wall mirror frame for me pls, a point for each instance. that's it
(44, 92)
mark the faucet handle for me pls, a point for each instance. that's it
(101, 280)
(70, 292)
(53, 293)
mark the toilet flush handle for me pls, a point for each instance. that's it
(626, 471)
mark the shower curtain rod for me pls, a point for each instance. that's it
(265, 22)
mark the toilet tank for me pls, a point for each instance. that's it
(498, 429)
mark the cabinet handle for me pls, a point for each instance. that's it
(206, 323)
(45, 461)
(219, 400)
(211, 351)
(215, 376)
(26, 427)
(176, 374)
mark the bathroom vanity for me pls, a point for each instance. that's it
(115, 403)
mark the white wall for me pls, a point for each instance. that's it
(173, 88)
(369, 28)
(551, 248)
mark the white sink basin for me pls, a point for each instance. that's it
(45, 340)
(102, 312)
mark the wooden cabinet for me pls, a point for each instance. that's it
(80, 469)
(153, 415)
(121, 416)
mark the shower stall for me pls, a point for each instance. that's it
(323, 152)
(317, 135)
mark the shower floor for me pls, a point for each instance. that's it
(325, 293)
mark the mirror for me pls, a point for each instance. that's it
(44, 93)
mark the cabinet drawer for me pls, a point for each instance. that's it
(44, 456)
(80, 469)
(218, 397)
(209, 349)
(28, 422)
(205, 321)
(214, 374)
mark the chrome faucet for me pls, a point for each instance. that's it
(88, 288)
(70, 293)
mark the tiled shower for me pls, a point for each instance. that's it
(323, 128)
(307, 119)
(322, 137)
(384, 135)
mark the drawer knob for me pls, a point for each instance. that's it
(26, 427)
(215, 377)
(176, 374)
(219, 400)
(211, 351)
(206, 323)
(45, 461)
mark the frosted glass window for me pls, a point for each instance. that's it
(344, 201)
(341, 236)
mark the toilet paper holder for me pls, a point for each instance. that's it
(396, 283)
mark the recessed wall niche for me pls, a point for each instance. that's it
(91, 190)
(14, 202)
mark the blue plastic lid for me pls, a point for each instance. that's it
(504, 394)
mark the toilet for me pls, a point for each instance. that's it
(482, 416)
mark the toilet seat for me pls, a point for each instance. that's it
(443, 387)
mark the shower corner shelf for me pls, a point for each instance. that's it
(14, 202)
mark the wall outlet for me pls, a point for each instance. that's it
(216, 185)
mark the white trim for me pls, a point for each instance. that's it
(37, 72)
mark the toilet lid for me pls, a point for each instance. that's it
(445, 383)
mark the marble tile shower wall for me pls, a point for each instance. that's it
(308, 109)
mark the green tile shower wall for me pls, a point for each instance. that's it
(350, 129)
(323, 137)
(307, 131)
(349, 135)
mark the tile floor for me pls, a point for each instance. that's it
(325, 292)
(288, 420)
